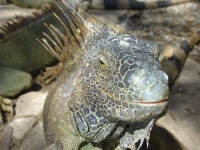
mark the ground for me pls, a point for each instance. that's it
(183, 117)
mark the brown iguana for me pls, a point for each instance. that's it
(111, 91)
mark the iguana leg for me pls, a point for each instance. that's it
(50, 74)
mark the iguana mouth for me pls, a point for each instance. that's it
(157, 102)
(105, 94)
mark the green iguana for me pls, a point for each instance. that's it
(195, 38)
(21, 57)
(111, 91)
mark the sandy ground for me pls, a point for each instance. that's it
(182, 119)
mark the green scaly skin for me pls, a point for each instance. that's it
(109, 95)
(31, 3)
(21, 57)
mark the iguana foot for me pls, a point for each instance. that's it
(5, 105)
(50, 74)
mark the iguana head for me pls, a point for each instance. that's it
(123, 78)
(121, 75)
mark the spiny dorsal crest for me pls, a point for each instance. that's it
(19, 22)
(68, 47)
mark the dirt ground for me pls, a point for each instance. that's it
(168, 25)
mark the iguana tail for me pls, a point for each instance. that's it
(174, 65)
(134, 4)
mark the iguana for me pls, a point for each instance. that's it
(134, 4)
(21, 57)
(111, 91)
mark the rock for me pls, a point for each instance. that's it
(36, 134)
(29, 108)
(34, 101)
(21, 126)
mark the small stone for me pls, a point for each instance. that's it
(180, 90)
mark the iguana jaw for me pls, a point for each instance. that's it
(120, 110)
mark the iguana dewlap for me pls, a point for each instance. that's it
(111, 91)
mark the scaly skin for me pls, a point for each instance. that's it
(21, 57)
(110, 93)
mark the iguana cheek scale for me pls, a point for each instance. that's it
(111, 91)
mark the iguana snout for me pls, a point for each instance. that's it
(152, 85)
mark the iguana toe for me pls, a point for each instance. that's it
(6, 105)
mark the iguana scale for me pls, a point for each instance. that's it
(111, 91)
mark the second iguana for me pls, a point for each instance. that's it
(111, 91)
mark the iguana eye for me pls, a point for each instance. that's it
(103, 65)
